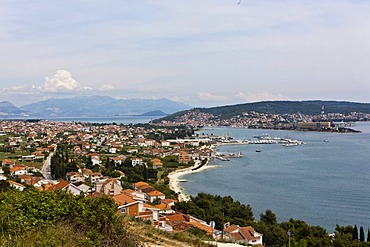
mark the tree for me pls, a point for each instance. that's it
(341, 230)
(115, 174)
(273, 235)
(219, 209)
(89, 163)
(93, 219)
(269, 217)
(362, 234)
(355, 233)
(145, 173)
(6, 170)
(71, 167)
(157, 201)
(368, 235)
(4, 185)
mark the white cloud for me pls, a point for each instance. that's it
(18, 90)
(250, 97)
(295, 46)
(61, 81)
(211, 97)
(106, 87)
(184, 99)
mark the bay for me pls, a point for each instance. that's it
(323, 182)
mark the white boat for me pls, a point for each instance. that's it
(290, 144)
(235, 155)
(223, 158)
(181, 180)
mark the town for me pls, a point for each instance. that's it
(334, 122)
(130, 163)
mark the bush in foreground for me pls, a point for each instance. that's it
(33, 218)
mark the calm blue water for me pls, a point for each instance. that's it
(322, 183)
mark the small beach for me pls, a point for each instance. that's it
(175, 176)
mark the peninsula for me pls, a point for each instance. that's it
(284, 115)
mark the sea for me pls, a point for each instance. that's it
(324, 182)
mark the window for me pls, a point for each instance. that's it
(123, 210)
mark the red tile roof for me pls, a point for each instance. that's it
(123, 199)
(59, 186)
(155, 193)
(231, 228)
(248, 232)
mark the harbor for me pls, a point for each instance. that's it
(296, 182)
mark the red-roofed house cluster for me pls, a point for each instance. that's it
(133, 202)
(112, 147)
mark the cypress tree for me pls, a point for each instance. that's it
(355, 233)
(362, 234)
(145, 173)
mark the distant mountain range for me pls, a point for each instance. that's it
(7, 109)
(91, 106)
(309, 107)
(104, 106)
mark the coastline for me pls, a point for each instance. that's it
(174, 177)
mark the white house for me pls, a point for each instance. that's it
(75, 177)
(165, 143)
(18, 170)
(153, 195)
(137, 161)
(16, 185)
(78, 188)
(110, 187)
(243, 235)
(95, 177)
(149, 142)
(95, 158)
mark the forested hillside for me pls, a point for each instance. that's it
(281, 107)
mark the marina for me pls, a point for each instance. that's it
(228, 156)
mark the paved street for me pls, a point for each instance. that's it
(46, 172)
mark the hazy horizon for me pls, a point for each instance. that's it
(201, 53)
(191, 106)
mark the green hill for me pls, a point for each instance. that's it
(311, 107)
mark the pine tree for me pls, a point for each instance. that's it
(355, 233)
(362, 234)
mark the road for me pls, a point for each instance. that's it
(46, 168)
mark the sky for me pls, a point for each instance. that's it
(200, 52)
